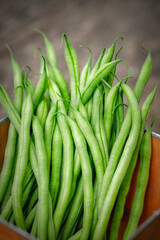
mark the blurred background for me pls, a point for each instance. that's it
(92, 23)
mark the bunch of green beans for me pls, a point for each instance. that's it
(70, 156)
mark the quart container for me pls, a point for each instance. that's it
(149, 225)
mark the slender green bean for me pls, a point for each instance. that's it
(141, 184)
(87, 131)
(77, 203)
(121, 139)
(121, 170)
(22, 160)
(42, 111)
(43, 183)
(41, 87)
(72, 63)
(34, 229)
(30, 217)
(101, 73)
(56, 165)
(85, 72)
(86, 175)
(119, 208)
(67, 166)
(51, 54)
(109, 53)
(48, 132)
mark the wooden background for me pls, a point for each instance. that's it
(92, 23)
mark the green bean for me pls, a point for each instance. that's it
(119, 112)
(51, 230)
(43, 183)
(119, 208)
(30, 217)
(15, 119)
(56, 165)
(86, 175)
(51, 54)
(77, 203)
(61, 83)
(108, 117)
(42, 111)
(5, 214)
(121, 170)
(32, 201)
(76, 173)
(41, 87)
(121, 139)
(8, 190)
(11, 220)
(98, 124)
(82, 109)
(85, 72)
(101, 73)
(109, 53)
(29, 84)
(88, 107)
(76, 236)
(47, 98)
(34, 229)
(67, 166)
(48, 132)
(143, 76)
(22, 160)
(72, 63)
(96, 67)
(141, 184)
(87, 131)
(18, 83)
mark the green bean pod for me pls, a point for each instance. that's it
(81, 147)
(48, 132)
(73, 67)
(87, 131)
(109, 53)
(42, 111)
(41, 87)
(76, 236)
(7, 211)
(51, 54)
(67, 166)
(34, 229)
(101, 73)
(119, 208)
(141, 184)
(51, 229)
(88, 107)
(43, 183)
(61, 83)
(32, 201)
(125, 128)
(122, 167)
(109, 111)
(119, 112)
(22, 160)
(56, 165)
(30, 218)
(85, 72)
(76, 206)
(97, 123)
(96, 67)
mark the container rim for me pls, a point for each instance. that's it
(17, 229)
(146, 223)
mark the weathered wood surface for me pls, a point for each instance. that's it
(92, 23)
